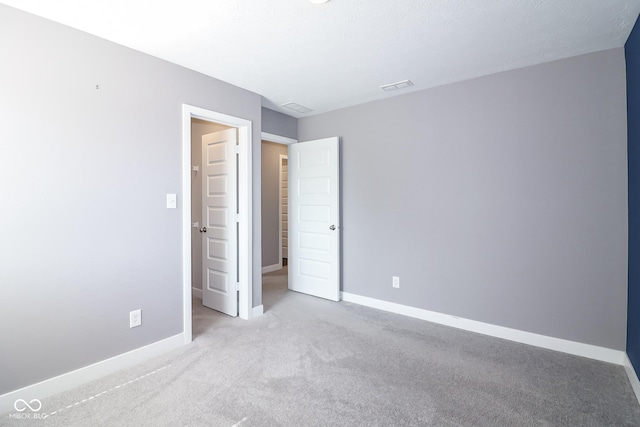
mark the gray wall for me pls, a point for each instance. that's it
(271, 153)
(279, 124)
(198, 128)
(501, 199)
(86, 236)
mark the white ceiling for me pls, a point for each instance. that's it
(335, 55)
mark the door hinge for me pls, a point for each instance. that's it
(237, 286)
(236, 149)
(237, 217)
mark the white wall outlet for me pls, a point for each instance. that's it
(135, 318)
(395, 281)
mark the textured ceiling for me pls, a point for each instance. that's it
(335, 55)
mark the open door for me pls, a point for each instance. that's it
(219, 231)
(314, 223)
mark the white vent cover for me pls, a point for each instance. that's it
(297, 107)
(397, 85)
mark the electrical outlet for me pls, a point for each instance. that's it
(135, 318)
(395, 281)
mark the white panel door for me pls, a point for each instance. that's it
(219, 231)
(314, 223)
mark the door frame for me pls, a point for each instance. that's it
(281, 157)
(269, 137)
(245, 192)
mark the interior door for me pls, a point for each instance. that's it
(219, 231)
(314, 223)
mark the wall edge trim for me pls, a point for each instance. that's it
(91, 372)
(551, 343)
(277, 138)
(273, 267)
(633, 376)
(257, 311)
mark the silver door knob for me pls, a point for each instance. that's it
(332, 227)
(203, 230)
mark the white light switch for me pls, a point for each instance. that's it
(172, 201)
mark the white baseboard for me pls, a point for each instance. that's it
(257, 311)
(270, 268)
(565, 346)
(633, 376)
(88, 373)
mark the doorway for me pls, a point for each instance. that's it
(214, 242)
(274, 218)
(313, 174)
(199, 128)
(201, 118)
(283, 214)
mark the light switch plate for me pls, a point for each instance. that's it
(135, 318)
(172, 201)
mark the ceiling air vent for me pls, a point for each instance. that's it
(397, 85)
(297, 107)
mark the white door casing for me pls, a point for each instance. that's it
(245, 195)
(284, 208)
(314, 223)
(219, 226)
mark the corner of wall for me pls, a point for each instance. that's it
(633, 376)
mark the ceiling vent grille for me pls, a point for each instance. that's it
(397, 85)
(297, 107)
